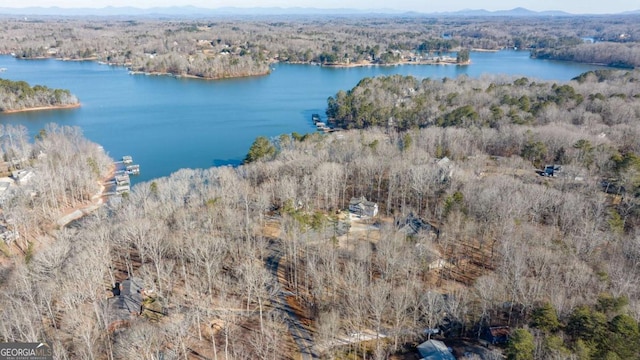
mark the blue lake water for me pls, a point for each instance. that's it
(167, 124)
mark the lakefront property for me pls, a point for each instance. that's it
(415, 224)
(360, 206)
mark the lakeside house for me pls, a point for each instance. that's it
(361, 206)
(126, 302)
(434, 350)
(22, 176)
(445, 170)
(413, 225)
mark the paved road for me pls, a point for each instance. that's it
(301, 335)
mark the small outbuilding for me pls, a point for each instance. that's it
(361, 206)
(495, 335)
(551, 170)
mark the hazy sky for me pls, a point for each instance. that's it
(573, 6)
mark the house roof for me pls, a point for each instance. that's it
(131, 286)
(412, 225)
(435, 350)
(444, 162)
(496, 334)
(361, 201)
(128, 301)
(499, 330)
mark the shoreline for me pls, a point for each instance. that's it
(402, 63)
(188, 76)
(41, 108)
(267, 72)
(369, 64)
(587, 63)
(93, 58)
(485, 50)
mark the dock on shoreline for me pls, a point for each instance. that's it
(121, 181)
(320, 125)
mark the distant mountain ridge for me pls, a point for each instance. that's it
(519, 11)
(186, 11)
(192, 11)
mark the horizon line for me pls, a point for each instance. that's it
(381, 10)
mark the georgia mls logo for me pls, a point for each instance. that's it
(25, 351)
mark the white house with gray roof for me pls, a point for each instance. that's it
(361, 206)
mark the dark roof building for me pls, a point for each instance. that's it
(126, 302)
(413, 225)
(435, 350)
(496, 334)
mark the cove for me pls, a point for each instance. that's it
(169, 123)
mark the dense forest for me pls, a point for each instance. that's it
(232, 47)
(469, 234)
(18, 95)
(593, 99)
(622, 55)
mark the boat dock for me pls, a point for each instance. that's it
(122, 179)
(133, 169)
(320, 125)
(121, 182)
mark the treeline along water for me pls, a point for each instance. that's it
(168, 123)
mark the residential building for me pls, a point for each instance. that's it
(361, 206)
(434, 350)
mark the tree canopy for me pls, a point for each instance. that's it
(261, 148)
(18, 95)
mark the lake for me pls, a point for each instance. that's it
(167, 124)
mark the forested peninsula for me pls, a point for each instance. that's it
(621, 55)
(16, 96)
(596, 98)
(471, 233)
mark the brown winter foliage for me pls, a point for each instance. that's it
(244, 46)
(228, 255)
